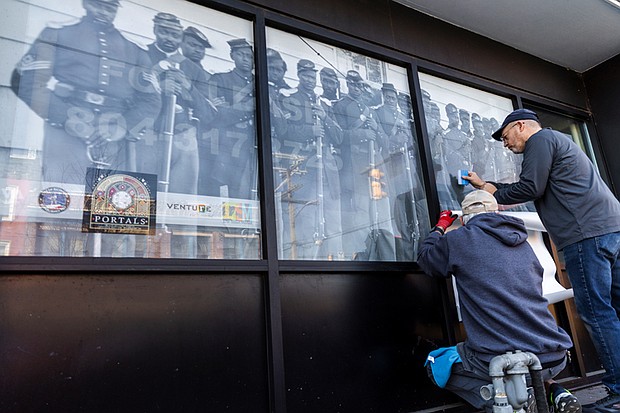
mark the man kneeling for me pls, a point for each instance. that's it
(499, 284)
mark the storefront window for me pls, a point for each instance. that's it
(346, 165)
(460, 121)
(573, 128)
(128, 131)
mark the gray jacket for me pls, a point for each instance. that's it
(571, 198)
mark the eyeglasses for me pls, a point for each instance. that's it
(505, 134)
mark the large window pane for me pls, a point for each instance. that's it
(460, 121)
(127, 131)
(346, 165)
(573, 128)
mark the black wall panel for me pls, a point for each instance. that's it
(145, 343)
(603, 86)
(357, 343)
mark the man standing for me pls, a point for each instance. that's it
(582, 217)
(366, 218)
(92, 88)
(173, 152)
(404, 187)
(183, 88)
(89, 85)
(232, 140)
(499, 284)
(314, 205)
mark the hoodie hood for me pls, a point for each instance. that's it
(507, 229)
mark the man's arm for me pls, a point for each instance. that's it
(434, 253)
(534, 177)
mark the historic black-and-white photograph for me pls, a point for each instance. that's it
(346, 161)
(460, 120)
(154, 87)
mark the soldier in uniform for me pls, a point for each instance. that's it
(184, 90)
(404, 187)
(194, 47)
(366, 218)
(232, 140)
(92, 88)
(88, 83)
(173, 152)
(312, 206)
(465, 122)
(276, 70)
(330, 85)
(482, 164)
(457, 151)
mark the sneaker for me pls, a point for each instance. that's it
(564, 402)
(609, 404)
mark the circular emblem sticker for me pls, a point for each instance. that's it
(54, 200)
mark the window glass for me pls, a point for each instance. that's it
(128, 131)
(460, 121)
(346, 165)
(575, 129)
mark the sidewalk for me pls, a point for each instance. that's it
(590, 394)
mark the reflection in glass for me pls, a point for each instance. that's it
(161, 102)
(346, 166)
(460, 121)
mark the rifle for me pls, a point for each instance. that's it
(319, 233)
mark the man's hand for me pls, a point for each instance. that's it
(474, 180)
(479, 183)
(446, 218)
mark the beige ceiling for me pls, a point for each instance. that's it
(576, 34)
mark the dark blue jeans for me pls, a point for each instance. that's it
(593, 266)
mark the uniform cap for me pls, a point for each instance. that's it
(519, 114)
(113, 2)
(328, 72)
(167, 20)
(389, 86)
(354, 76)
(450, 108)
(478, 201)
(273, 54)
(238, 44)
(198, 35)
(426, 95)
(305, 65)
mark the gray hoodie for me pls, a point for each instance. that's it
(499, 282)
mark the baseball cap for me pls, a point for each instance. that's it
(519, 114)
(478, 201)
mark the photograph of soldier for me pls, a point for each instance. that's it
(194, 47)
(465, 122)
(172, 153)
(232, 140)
(311, 195)
(480, 149)
(399, 165)
(90, 85)
(366, 216)
(330, 85)
(276, 68)
(457, 150)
